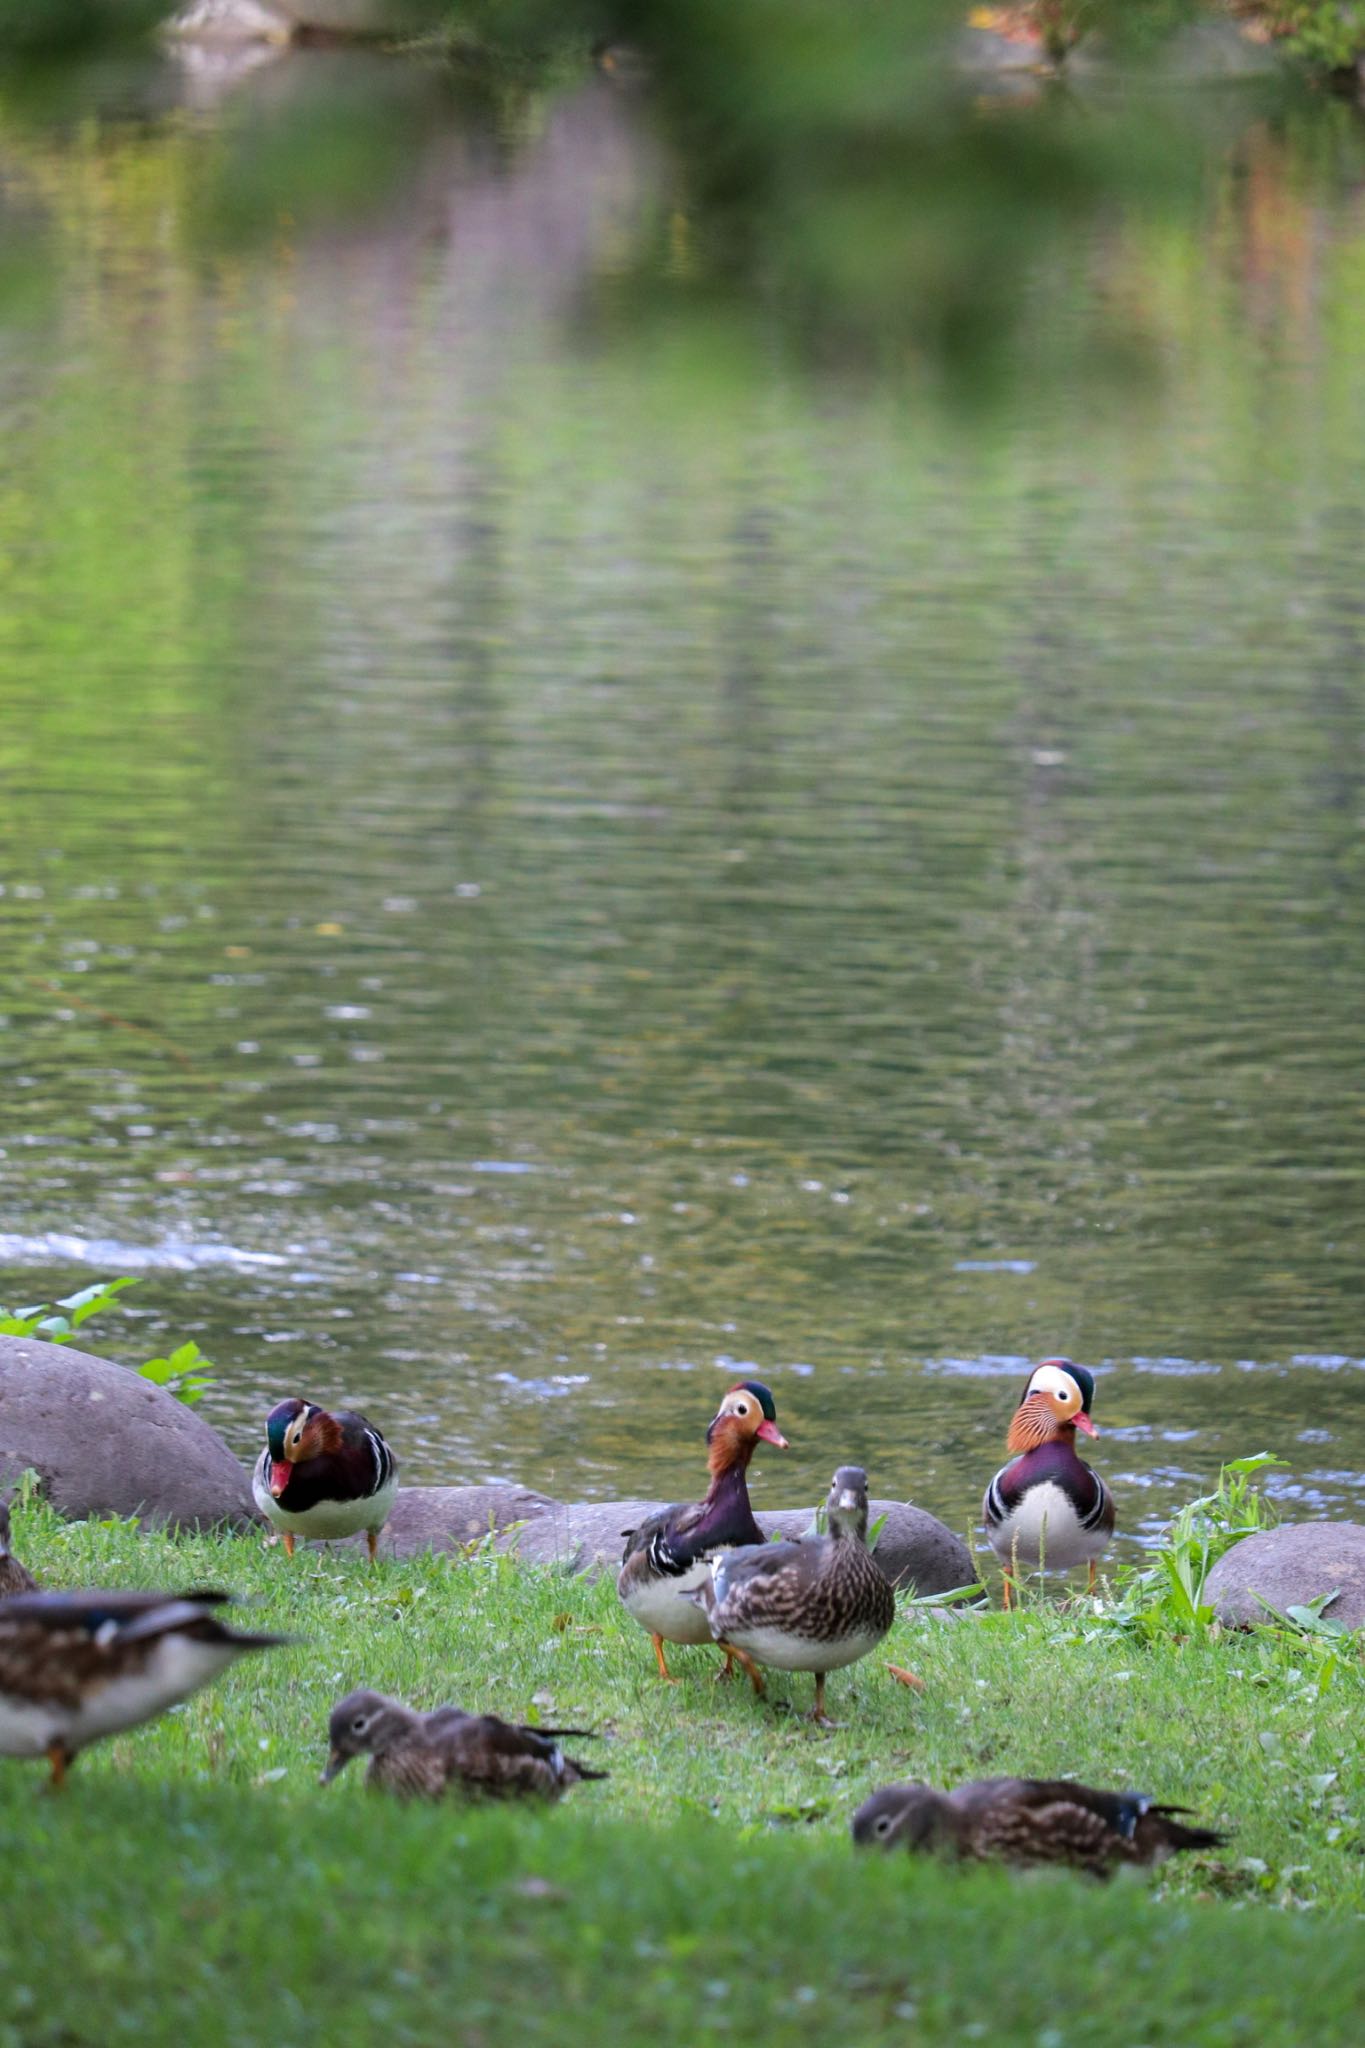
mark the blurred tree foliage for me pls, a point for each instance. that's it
(848, 174)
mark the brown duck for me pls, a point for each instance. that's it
(1026, 1821)
(427, 1756)
(14, 1577)
(76, 1667)
(812, 1606)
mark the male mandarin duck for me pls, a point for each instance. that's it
(78, 1666)
(425, 1756)
(1023, 1821)
(1046, 1507)
(323, 1475)
(14, 1576)
(669, 1555)
(811, 1606)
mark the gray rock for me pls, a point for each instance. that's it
(1204, 52)
(285, 21)
(913, 1549)
(1199, 53)
(918, 1553)
(229, 23)
(449, 1517)
(1290, 1566)
(580, 1536)
(105, 1442)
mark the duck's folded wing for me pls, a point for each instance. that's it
(1060, 1832)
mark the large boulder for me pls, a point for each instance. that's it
(106, 1442)
(1288, 1567)
(913, 1549)
(918, 1553)
(449, 1517)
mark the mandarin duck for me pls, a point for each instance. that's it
(1046, 1507)
(78, 1666)
(1024, 1821)
(323, 1475)
(810, 1606)
(14, 1576)
(426, 1756)
(669, 1555)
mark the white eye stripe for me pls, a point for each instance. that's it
(1050, 1379)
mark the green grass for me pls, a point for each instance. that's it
(194, 1884)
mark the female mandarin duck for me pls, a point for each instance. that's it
(1046, 1507)
(1023, 1821)
(78, 1666)
(425, 1756)
(668, 1557)
(812, 1606)
(323, 1475)
(14, 1576)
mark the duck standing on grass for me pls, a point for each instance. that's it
(812, 1606)
(425, 1756)
(1046, 1507)
(78, 1666)
(14, 1576)
(1025, 1821)
(323, 1475)
(669, 1556)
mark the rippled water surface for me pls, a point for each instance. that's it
(539, 869)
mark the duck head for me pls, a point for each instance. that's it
(907, 1817)
(296, 1430)
(364, 1722)
(1056, 1403)
(846, 1503)
(746, 1417)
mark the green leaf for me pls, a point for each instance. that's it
(90, 1300)
(947, 1599)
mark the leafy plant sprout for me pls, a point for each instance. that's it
(186, 1374)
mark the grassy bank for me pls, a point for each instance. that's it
(196, 1884)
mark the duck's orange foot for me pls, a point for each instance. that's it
(904, 1677)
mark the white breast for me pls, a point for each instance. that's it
(660, 1606)
(1045, 1529)
(785, 1652)
(330, 1518)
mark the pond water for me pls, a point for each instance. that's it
(546, 864)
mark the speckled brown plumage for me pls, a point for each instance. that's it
(75, 1667)
(812, 1606)
(14, 1577)
(1028, 1821)
(428, 1756)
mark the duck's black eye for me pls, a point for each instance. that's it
(742, 1408)
(359, 1725)
(884, 1824)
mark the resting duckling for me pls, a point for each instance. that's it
(1026, 1821)
(425, 1756)
(75, 1667)
(1047, 1507)
(14, 1576)
(812, 1606)
(323, 1475)
(669, 1555)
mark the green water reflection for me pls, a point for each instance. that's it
(540, 862)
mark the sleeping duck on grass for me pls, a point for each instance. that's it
(427, 1756)
(1028, 1821)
